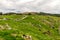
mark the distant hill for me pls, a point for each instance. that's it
(30, 13)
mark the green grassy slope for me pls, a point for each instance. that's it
(39, 27)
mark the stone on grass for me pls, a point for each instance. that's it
(1, 27)
(8, 27)
(24, 17)
(27, 37)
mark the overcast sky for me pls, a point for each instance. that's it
(51, 6)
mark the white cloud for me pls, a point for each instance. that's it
(52, 6)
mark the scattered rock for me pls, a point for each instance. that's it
(24, 17)
(4, 19)
(5, 27)
(13, 34)
(1, 27)
(27, 37)
(8, 27)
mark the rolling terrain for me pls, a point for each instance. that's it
(29, 27)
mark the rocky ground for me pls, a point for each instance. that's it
(29, 27)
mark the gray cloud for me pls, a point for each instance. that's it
(51, 6)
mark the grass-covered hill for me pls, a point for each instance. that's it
(29, 27)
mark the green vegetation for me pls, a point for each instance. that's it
(39, 27)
